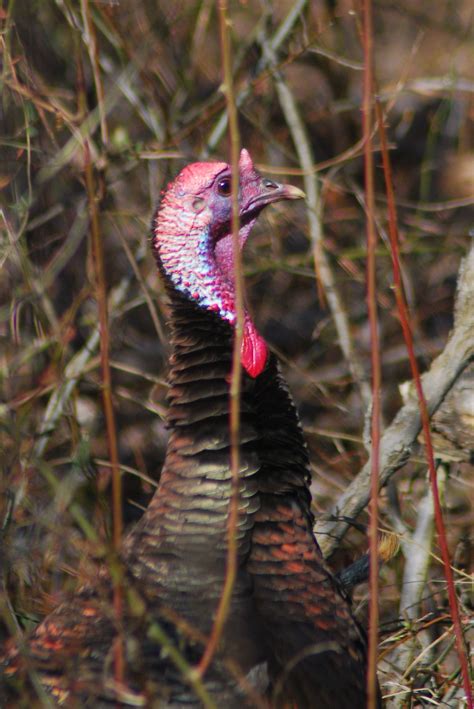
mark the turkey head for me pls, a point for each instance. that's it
(193, 239)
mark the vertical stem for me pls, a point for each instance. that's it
(407, 333)
(91, 43)
(375, 357)
(236, 374)
(325, 278)
(101, 294)
(101, 289)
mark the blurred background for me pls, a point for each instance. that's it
(133, 89)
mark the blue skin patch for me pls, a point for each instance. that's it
(202, 278)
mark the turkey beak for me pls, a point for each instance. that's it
(270, 191)
(288, 191)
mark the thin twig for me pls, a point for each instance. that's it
(323, 269)
(101, 290)
(399, 437)
(72, 373)
(66, 153)
(189, 673)
(417, 550)
(274, 44)
(91, 44)
(236, 374)
(367, 119)
(407, 333)
(141, 281)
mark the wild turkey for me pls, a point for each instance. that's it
(288, 614)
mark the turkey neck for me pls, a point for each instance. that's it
(183, 533)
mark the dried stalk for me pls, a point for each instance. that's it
(323, 269)
(405, 322)
(107, 400)
(398, 439)
(236, 373)
(417, 550)
(72, 373)
(375, 412)
(274, 44)
(91, 44)
(101, 295)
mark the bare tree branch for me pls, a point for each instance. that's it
(399, 437)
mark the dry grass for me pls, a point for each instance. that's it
(138, 83)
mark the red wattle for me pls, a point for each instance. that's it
(254, 350)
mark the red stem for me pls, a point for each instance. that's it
(407, 334)
(101, 294)
(372, 686)
(236, 373)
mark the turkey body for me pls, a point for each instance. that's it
(290, 638)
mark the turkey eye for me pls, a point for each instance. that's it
(270, 185)
(224, 187)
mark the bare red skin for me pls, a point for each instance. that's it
(193, 240)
